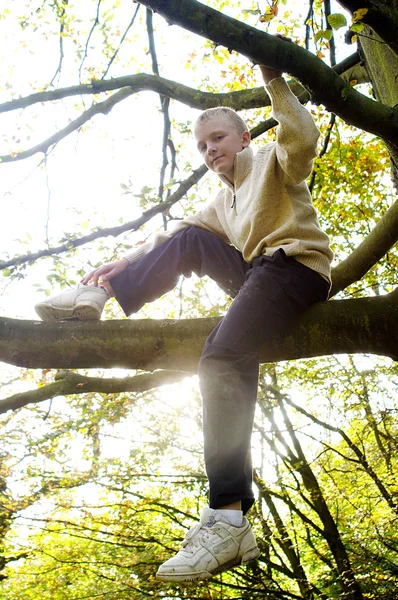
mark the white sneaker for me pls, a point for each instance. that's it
(212, 546)
(84, 302)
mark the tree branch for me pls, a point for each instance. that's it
(67, 382)
(361, 458)
(368, 253)
(111, 231)
(253, 98)
(365, 325)
(324, 84)
(240, 100)
(100, 108)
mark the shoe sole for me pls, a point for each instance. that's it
(81, 313)
(248, 557)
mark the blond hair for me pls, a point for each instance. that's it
(222, 112)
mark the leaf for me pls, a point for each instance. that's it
(270, 13)
(357, 27)
(337, 20)
(266, 17)
(359, 14)
(325, 34)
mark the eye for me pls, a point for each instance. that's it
(219, 137)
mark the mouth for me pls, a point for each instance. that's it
(216, 159)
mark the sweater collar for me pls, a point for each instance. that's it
(242, 167)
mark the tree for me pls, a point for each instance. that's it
(300, 506)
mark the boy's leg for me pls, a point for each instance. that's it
(276, 291)
(192, 250)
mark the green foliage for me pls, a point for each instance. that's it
(337, 20)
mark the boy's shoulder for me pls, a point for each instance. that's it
(263, 151)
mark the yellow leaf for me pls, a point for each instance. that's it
(268, 15)
(359, 14)
(354, 39)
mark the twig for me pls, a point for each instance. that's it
(121, 41)
(61, 39)
(96, 22)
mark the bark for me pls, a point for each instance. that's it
(365, 325)
(324, 84)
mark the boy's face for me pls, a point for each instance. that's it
(218, 142)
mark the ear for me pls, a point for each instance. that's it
(245, 139)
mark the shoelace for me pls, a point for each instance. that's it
(193, 536)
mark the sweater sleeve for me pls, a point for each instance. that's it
(205, 219)
(297, 134)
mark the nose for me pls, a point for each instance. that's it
(211, 149)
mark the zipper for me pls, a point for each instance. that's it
(233, 205)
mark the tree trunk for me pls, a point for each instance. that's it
(382, 67)
(379, 52)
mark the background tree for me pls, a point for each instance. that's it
(102, 475)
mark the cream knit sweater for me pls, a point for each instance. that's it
(269, 206)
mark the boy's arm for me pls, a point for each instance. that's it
(297, 134)
(268, 73)
(205, 219)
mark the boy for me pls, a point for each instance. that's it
(260, 240)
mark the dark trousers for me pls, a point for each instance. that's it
(269, 295)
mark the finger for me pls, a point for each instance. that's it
(87, 278)
(96, 277)
(107, 276)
